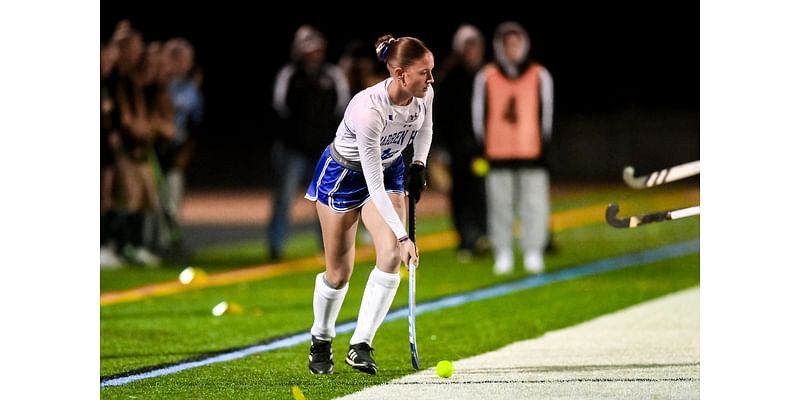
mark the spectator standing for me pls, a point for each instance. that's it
(513, 116)
(456, 136)
(309, 97)
(188, 106)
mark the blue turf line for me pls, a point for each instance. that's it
(609, 264)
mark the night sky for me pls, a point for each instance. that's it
(603, 58)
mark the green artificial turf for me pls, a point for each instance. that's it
(446, 334)
(172, 328)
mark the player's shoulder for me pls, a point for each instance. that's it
(373, 96)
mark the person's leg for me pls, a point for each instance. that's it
(289, 168)
(133, 202)
(381, 286)
(109, 259)
(175, 185)
(330, 288)
(500, 216)
(176, 177)
(339, 234)
(151, 238)
(475, 221)
(535, 216)
(459, 205)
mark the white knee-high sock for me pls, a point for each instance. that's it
(327, 303)
(378, 296)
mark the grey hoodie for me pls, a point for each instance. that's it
(511, 69)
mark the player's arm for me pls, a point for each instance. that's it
(367, 127)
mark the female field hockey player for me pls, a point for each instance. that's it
(361, 175)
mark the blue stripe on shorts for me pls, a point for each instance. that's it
(344, 189)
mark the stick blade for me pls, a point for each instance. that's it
(611, 217)
(629, 178)
(635, 220)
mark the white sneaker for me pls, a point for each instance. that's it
(534, 262)
(463, 256)
(503, 262)
(109, 259)
(147, 258)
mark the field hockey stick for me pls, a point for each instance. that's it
(636, 220)
(412, 285)
(660, 177)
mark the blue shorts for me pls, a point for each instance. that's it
(344, 189)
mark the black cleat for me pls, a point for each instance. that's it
(320, 357)
(360, 357)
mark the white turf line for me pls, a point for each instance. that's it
(648, 351)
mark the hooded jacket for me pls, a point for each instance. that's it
(309, 99)
(512, 105)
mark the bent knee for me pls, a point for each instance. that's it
(337, 278)
(389, 258)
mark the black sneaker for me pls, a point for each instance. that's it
(360, 357)
(320, 357)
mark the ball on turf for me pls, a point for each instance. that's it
(444, 369)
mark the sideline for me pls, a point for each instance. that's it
(650, 350)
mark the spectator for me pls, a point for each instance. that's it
(144, 114)
(187, 102)
(454, 129)
(513, 116)
(309, 96)
(109, 137)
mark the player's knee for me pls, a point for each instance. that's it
(337, 278)
(389, 257)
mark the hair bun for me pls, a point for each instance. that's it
(382, 47)
(382, 51)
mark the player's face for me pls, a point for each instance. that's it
(419, 76)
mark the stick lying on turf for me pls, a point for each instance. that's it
(636, 220)
(412, 285)
(660, 177)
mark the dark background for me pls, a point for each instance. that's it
(626, 77)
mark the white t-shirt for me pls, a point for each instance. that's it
(374, 132)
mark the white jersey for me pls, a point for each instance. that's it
(374, 132)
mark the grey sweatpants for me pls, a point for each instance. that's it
(529, 188)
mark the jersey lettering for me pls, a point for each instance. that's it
(394, 138)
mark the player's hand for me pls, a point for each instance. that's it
(416, 184)
(409, 253)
